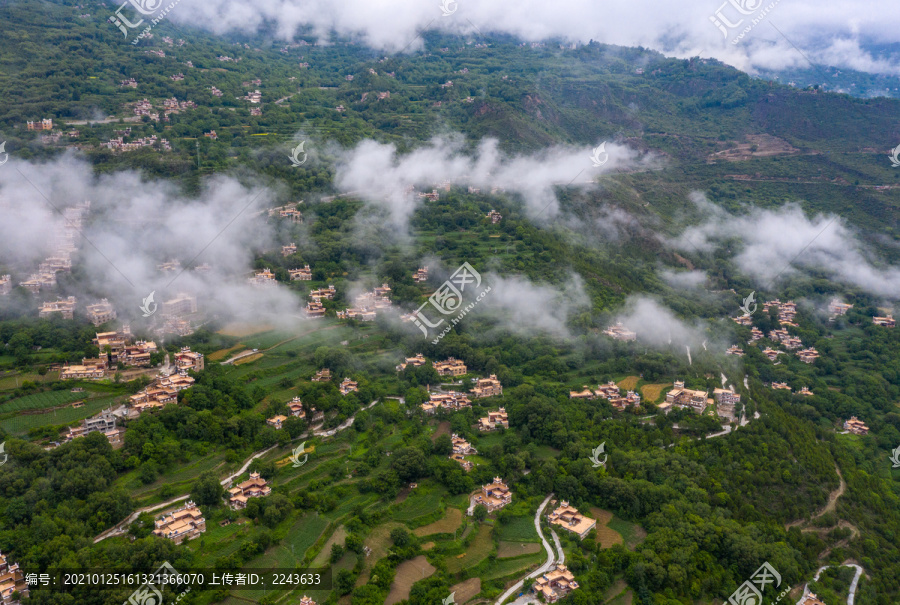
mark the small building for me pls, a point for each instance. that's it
(494, 216)
(772, 354)
(83, 372)
(487, 387)
(5, 285)
(451, 400)
(321, 293)
(755, 334)
(687, 398)
(289, 249)
(263, 278)
(555, 585)
(585, 393)
(305, 600)
(421, 275)
(450, 367)
(182, 304)
(783, 386)
(101, 312)
(744, 320)
(887, 321)
(186, 522)
(323, 375)
(12, 580)
(811, 599)
(619, 332)
(570, 519)
(295, 407)
(805, 392)
(304, 274)
(254, 487)
(315, 309)
(735, 350)
(836, 308)
(808, 355)
(189, 360)
(494, 420)
(66, 308)
(726, 400)
(276, 422)
(856, 426)
(494, 496)
(348, 386)
(417, 361)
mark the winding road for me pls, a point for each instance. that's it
(551, 558)
(851, 595)
(120, 527)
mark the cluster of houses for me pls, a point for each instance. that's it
(494, 421)
(64, 306)
(185, 523)
(450, 400)
(786, 311)
(304, 274)
(165, 387)
(367, 304)
(119, 144)
(101, 312)
(620, 332)
(288, 211)
(12, 580)
(451, 367)
(682, 397)
(461, 449)
(60, 260)
(254, 97)
(315, 308)
(611, 392)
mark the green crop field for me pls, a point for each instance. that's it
(19, 425)
(38, 401)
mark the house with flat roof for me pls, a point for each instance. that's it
(461, 449)
(323, 375)
(276, 422)
(494, 420)
(809, 355)
(101, 312)
(450, 400)
(450, 367)
(182, 304)
(494, 216)
(570, 519)
(805, 392)
(772, 354)
(755, 334)
(886, 321)
(836, 308)
(66, 308)
(254, 487)
(421, 275)
(555, 584)
(619, 332)
(315, 309)
(417, 361)
(263, 278)
(487, 387)
(781, 386)
(735, 350)
(348, 386)
(304, 274)
(744, 320)
(185, 523)
(726, 400)
(188, 360)
(687, 398)
(494, 496)
(93, 371)
(321, 293)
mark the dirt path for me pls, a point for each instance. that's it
(830, 506)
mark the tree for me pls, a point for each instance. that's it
(443, 445)
(409, 463)
(207, 490)
(480, 513)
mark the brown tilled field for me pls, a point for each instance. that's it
(628, 383)
(450, 523)
(606, 536)
(408, 573)
(506, 550)
(464, 591)
(651, 392)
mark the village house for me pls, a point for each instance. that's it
(253, 97)
(556, 584)
(188, 360)
(304, 274)
(619, 332)
(856, 426)
(182, 304)
(348, 386)
(755, 334)
(811, 599)
(585, 393)
(781, 386)
(608, 391)
(295, 407)
(321, 293)
(805, 391)
(129, 83)
(12, 580)
(494, 420)
(45, 124)
(836, 308)
(362, 314)
(66, 308)
(161, 392)
(808, 355)
(726, 400)
(431, 197)
(735, 350)
(85, 371)
(315, 309)
(113, 342)
(171, 266)
(687, 398)
(570, 519)
(630, 398)
(462, 448)
(138, 354)
(421, 275)
(494, 216)
(186, 522)
(104, 422)
(886, 321)
(772, 354)
(448, 401)
(263, 278)
(305, 600)
(254, 487)
(450, 367)
(5, 285)
(487, 387)
(276, 422)
(289, 249)
(744, 320)
(323, 375)
(494, 496)
(417, 361)
(101, 312)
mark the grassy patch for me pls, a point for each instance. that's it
(633, 534)
(606, 536)
(241, 329)
(39, 401)
(466, 591)
(422, 501)
(450, 523)
(514, 567)
(248, 359)
(223, 353)
(519, 529)
(508, 550)
(338, 537)
(18, 425)
(477, 552)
